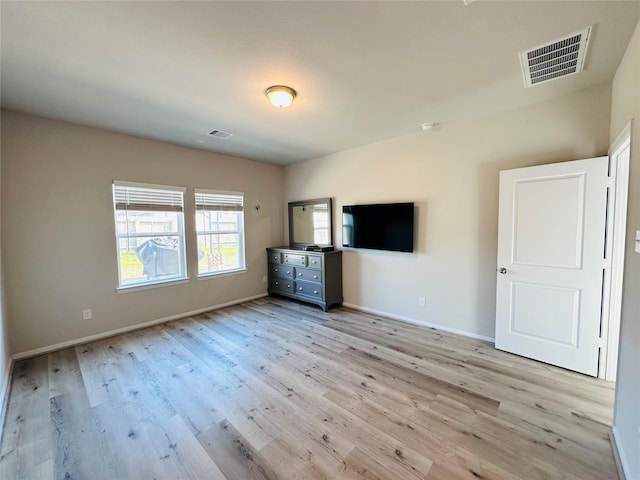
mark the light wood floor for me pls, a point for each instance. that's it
(273, 389)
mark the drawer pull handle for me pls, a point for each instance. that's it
(288, 272)
(300, 289)
(277, 283)
(300, 274)
(288, 286)
(315, 276)
(315, 291)
(275, 269)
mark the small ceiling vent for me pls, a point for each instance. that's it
(556, 59)
(221, 134)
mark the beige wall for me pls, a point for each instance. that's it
(452, 175)
(625, 105)
(5, 352)
(58, 234)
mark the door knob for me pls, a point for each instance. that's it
(502, 270)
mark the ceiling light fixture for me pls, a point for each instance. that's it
(280, 96)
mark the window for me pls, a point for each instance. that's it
(321, 224)
(220, 229)
(149, 233)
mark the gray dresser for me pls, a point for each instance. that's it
(313, 277)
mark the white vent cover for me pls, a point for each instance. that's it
(221, 134)
(556, 59)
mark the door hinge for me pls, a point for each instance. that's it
(602, 342)
(606, 264)
(611, 182)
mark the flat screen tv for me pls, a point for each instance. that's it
(387, 226)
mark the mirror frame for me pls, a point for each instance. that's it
(303, 203)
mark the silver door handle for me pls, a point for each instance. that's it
(502, 270)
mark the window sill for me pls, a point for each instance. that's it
(226, 273)
(149, 286)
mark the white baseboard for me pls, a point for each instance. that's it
(4, 395)
(419, 322)
(131, 328)
(619, 456)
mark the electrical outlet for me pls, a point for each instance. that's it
(422, 302)
(87, 314)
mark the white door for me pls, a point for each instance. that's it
(550, 262)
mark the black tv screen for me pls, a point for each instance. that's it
(387, 226)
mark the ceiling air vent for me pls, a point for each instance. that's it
(221, 134)
(556, 59)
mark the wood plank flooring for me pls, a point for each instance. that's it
(273, 389)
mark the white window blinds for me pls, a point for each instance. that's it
(219, 201)
(129, 196)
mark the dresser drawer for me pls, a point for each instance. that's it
(281, 271)
(309, 289)
(314, 261)
(281, 285)
(308, 275)
(294, 259)
(275, 257)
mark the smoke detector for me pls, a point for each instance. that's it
(555, 59)
(429, 126)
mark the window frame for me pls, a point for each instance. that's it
(240, 231)
(169, 205)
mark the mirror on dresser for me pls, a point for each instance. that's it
(310, 223)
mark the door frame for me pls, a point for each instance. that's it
(614, 254)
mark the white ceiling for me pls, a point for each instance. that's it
(364, 71)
